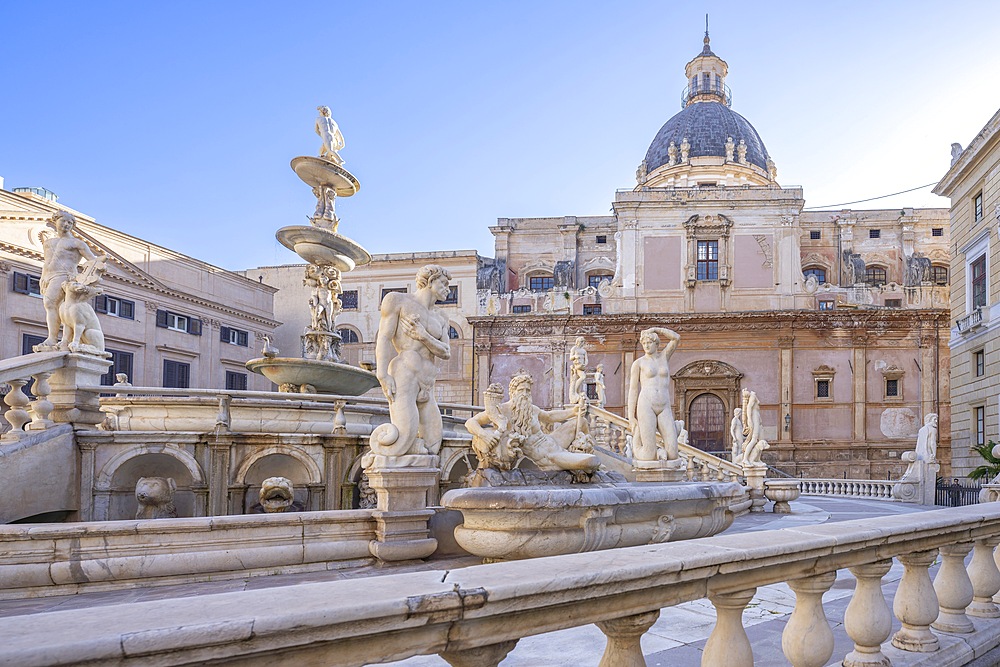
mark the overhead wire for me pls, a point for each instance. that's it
(860, 201)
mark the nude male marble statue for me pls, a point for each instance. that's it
(417, 331)
(329, 133)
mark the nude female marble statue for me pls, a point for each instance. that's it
(736, 434)
(649, 410)
(413, 327)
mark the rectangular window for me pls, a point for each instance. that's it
(980, 415)
(591, 391)
(349, 299)
(29, 341)
(166, 319)
(979, 282)
(520, 310)
(26, 283)
(121, 362)
(602, 239)
(595, 279)
(978, 205)
(390, 290)
(891, 388)
(114, 306)
(937, 231)
(234, 336)
(236, 381)
(939, 275)
(176, 374)
(875, 276)
(591, 309)
(874, 233)
(708, 260)
(815, 235)
(541, 283)
(893, 303)
(827, 305)
(822, 389)
(452, 295)
(980, 358)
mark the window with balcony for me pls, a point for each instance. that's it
(541, 283)
(708, 260)
(26, 283)
(978, 270)
(114, 306)
(875, 276)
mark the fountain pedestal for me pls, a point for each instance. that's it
(401, 485)
(659, 471)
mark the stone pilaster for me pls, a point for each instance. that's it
(72, 402)
(401, 517)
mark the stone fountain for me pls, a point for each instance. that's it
(329, 254)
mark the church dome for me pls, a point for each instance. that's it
(706, 126)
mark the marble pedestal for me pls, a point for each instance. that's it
(659, 471)
(401, 518)
(755, 482)
(71, 402)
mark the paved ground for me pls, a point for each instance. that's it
(676, 639)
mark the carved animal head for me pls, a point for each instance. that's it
(155, 490)
(276, 494)
(76, 291)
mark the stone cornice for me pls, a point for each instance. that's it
(946, 186)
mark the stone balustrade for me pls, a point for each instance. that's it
(475, 615)
(24, 413)
(869, 489)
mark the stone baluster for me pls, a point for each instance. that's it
(985, 579)
(41, 407)
(690, 469)
(867, 619)
(490, 655)
(807, 640)
(623, 649)
(728, 644)
(16, 414)
(916, 604)
(339, 420)
(954, 589)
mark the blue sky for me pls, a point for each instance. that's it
(176, 121)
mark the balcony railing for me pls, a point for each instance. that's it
(722, 92)
(970, 321)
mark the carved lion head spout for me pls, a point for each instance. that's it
(277, 495)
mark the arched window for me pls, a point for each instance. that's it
(453, 333)
(817, 271)
(707, 423)
(348, 335)
(875, 275)
(939, 274)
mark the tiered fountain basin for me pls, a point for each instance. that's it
(512, 523)
(327, 377)
(322, 247)
(317, 172)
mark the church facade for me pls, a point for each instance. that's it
(838, 320)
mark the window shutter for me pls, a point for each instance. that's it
(224, 334)
(169, 373)
(20, 282)
(127, 310)
(161, 319)
(184, 375)
(244, 340)
(194, 326)
(101, 303)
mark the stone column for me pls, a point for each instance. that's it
(867, 619)
(623, 649)
(333, 473)
(807, 640)
(218, 481)
(728, 644)
(755, 482)
(916, 604)
(985, 579)
(88, 474)
(314, 499)
(927, 375)
(954, 589)
(785, 345)
(560, 381)
(401, 484)
(860, 386)
(482, 351)
(71, 402)
(200, 500)
(490, 655)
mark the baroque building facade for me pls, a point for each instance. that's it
(838, 320)
(169, 320)
(973, 185)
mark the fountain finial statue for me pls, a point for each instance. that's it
(329, 132)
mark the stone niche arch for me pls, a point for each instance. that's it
(707, 376)
(276, 461)
(114, 486)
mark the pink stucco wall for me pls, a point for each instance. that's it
(748, 267)
(661, 261)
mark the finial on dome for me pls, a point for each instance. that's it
(707, 49)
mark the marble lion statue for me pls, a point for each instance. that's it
(277, 494)
(156, 498)
(81, 328)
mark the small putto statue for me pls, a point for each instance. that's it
(672, 154)
(685, 150)
(730, 149)
(741, 152)
(329, 132)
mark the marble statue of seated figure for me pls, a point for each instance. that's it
(520, 423)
